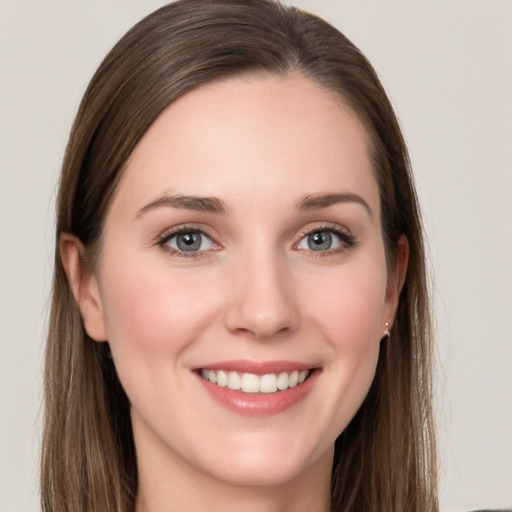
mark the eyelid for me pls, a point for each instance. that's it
(346, 238)
(187, 227)
(163, 238)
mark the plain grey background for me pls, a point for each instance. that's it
(447, 66)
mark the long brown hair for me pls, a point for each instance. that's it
(385, 459)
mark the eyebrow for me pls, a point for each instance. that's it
(197, 203)
(217, 206)
(319, 201)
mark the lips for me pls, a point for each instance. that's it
(258, 389)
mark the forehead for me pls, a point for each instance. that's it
(251, 135)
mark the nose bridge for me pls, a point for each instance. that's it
(262, 304)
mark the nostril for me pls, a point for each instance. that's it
(261, 306)
(262, 333)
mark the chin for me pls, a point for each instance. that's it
(266, 466)
(249, 474)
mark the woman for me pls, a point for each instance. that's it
(240, 313)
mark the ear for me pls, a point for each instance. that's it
(84, 286)
(396, 278)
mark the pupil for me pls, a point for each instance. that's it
(320, 241)
(189, 241)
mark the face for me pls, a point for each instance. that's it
(243, 248)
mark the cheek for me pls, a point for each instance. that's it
(153, 312)
(152, 319)
(348, 311)
(349, 306)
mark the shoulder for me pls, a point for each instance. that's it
(493, 510)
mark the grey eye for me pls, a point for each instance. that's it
(190, 241)
(323, 240)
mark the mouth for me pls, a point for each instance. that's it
(253, 383)
(258, 388)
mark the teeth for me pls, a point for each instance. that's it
(251, 383)
(222, 379)
(294, 378)
(282, 381)
(268, 383)
(234, 381)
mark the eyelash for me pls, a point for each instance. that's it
(348, 241)
(165, 237)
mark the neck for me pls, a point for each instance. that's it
(157, 496)
(173, 498)
(167, 483)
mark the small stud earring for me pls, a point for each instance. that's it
(386, 331)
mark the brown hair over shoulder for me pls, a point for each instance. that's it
(385, 459)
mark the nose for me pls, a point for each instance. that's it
(261, 304)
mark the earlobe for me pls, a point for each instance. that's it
(84, 286)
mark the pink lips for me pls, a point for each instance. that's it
(259, 404)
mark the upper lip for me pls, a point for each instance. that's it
(256, 367)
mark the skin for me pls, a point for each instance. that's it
(257, 291)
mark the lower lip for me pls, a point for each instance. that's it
(260, 404)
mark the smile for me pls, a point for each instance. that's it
(258, 388)
(252, 383)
